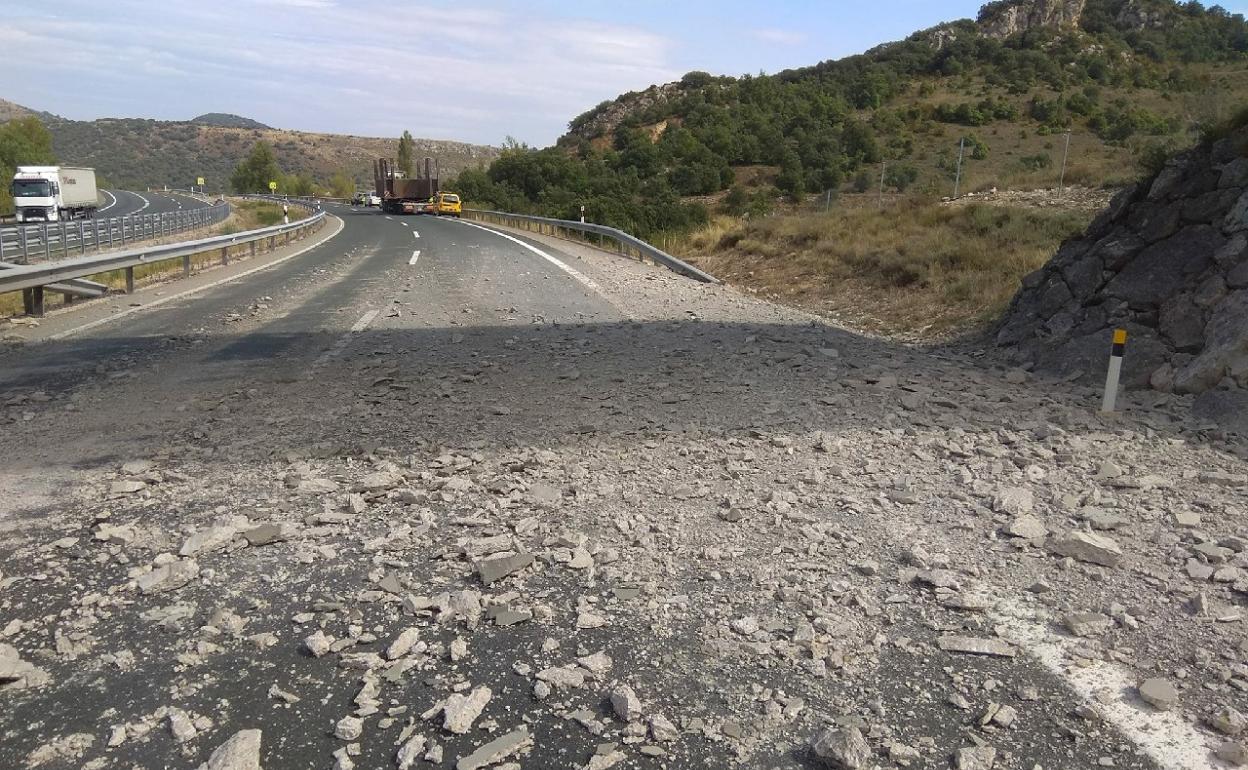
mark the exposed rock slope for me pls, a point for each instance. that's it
(1002, 20)
(1168, 261)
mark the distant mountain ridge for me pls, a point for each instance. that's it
(228, 120)
(137, 152)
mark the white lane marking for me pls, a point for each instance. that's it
(1166, 736)
(342, 342)
(190, 292)
(561, 265)
(415, 234)
(146, 203)
(364, 321)
(405, 224)
(415, 256)
(388, 219)
(109, 206)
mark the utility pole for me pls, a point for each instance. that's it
(957, 182)
(883, 168)
(1062, 184)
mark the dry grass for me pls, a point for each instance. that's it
(244, 215)
(913, 269)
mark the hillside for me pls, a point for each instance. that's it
(133, 152)
(227, 120)
(1125, 82)
(1128, 78)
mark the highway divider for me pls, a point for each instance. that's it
(24, 244)
(33, 279)
(624, 244)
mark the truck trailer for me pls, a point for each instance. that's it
(54, 193)
(400, 195)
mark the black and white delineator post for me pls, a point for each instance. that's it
(1115, 370)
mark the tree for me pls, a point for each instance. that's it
(407, 146)
(341, 185)
(23, 142)
(256, 171)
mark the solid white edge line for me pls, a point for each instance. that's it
(146, 203)
(190, 292)
(415, 256)
(109, 206)
(1165, 736)
(557, 263)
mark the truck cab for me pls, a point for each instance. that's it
(34, 198)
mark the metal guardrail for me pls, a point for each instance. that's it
(32, 279)
(626, 244)
(49, 240)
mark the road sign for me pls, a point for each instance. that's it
(199, 181)
(273, 186)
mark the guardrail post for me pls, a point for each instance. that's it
(186, 266)
(253, 249)
(64, 240)
(95, 225)
(225, 255)
(82, 237)
(32, 301)
(21, 235)
(129, 280)
(47, 245)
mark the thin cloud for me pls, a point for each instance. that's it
(780, 36)
(472, 75)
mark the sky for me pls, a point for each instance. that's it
(468, 71)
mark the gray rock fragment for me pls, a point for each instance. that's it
(1087, 547)
(496, 750)
(625, 703)
(841, 747)
(1028, 527)
(240, 752)
(498, 567)
(168, 577)
(1158, 693)
(976, 646)
(460, 711)
(976, 758)
(17, 674)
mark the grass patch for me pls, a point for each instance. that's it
(914, 268)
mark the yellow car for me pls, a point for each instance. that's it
(446, 205)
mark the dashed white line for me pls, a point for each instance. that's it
(415, 256)
(415, 234)
(343, 341)
(364, 321)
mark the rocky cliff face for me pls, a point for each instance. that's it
(1140, 14)
(1168, 261)
(1004, 19)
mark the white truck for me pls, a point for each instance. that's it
(54, 193)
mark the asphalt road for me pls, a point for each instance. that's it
(770, 526)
